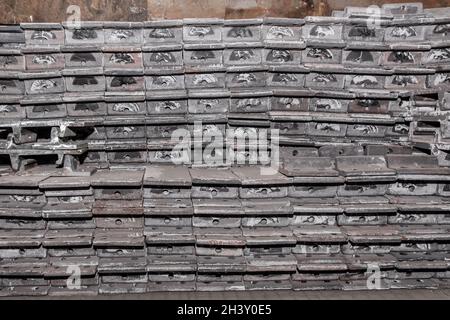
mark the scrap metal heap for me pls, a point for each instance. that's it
(88, 186)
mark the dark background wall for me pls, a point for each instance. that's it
(15, 11)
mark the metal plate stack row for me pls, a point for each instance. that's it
(94, 197)
(174, 228)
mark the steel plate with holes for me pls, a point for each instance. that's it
(211, 154)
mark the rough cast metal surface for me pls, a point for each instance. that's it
(88, 186)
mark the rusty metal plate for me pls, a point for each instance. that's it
(89, 161)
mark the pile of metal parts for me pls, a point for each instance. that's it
(91, 201)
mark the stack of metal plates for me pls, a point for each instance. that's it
(113, 177)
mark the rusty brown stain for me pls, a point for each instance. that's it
(15, 11)
(178, 9)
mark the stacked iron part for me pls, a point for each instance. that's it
(96, 197)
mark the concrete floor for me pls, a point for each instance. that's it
(421, 294)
